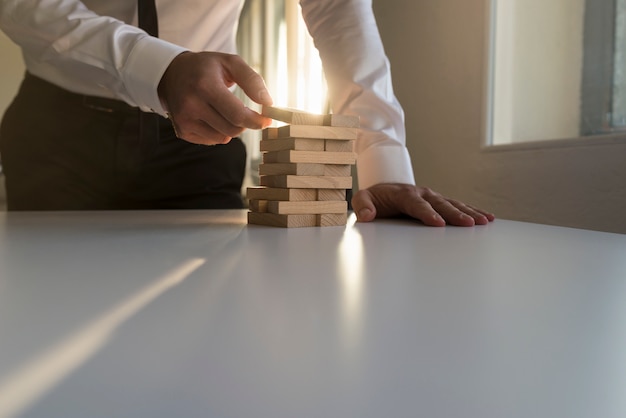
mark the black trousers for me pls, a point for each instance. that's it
(65, 151)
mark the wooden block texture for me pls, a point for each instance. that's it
(292, 116)
(337, 170)
(298, 117)
(258, 205)
(347, 121)
(285, 221)
(305, 169)
(295, 169)
(331, 194)
(338, 146)
(303, 208)
(332, 219)
(312, 157)
(270, 193)
(307, 182)
(300, 144)
(269, 133)
(319, 132)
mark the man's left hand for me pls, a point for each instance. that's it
(422, 203)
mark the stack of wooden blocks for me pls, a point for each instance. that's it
(306, 170)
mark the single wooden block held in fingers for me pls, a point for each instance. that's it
(298, 117)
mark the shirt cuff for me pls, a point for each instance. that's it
(143, 71)
(384, 164)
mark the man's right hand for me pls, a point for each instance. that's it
(195, 92)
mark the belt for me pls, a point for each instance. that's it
(101, 104)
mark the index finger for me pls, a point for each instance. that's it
(228, 105)
(249, 80)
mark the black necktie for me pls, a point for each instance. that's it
(147, 17)
(148, 21)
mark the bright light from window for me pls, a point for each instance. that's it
(301, 83)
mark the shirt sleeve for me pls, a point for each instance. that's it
(359, 81)
(68, 44)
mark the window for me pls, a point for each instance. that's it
(558, 69)
(274, 40)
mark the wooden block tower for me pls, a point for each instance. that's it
(306, 170)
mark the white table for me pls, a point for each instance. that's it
(195, 314)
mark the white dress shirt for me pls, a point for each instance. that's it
(93, 47)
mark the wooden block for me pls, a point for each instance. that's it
(269, 133)
(302, 208)
(307, 182)
(292, 116)
(305, 169)
(319, 132)
(331, 194)
(269, 193)
(284, 221)
(258, 205)
(319, 157)
(347, 121)
(332, 219)
(338, 146)
(294, 195)
(298, 117)
(295, 169)
(337, 170)
(300, 144)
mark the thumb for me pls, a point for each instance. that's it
(363, 206)
(250, 81)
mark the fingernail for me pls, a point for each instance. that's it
(264, 97)
(364, 213)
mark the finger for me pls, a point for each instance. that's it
(480, 216)
(490, 216)
(215, 120)
(200, 119)
(418, 208)
(198, 132)
(232, 110)
(449, 212)
(249, 80)
(363, 206)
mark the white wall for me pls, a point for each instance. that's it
(438, 53)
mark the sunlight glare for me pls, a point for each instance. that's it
(33, 380)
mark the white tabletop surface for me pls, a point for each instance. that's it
(196, 314)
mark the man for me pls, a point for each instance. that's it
(72, 138)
